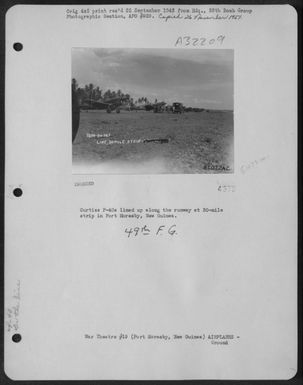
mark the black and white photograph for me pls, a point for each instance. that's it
(151, 151)
(152, 111)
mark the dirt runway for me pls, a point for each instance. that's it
(140, 142)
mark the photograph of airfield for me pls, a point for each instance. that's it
(152, 111)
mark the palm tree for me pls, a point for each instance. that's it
(107, 94)
(74, 84)
(86, 90)
(98, 93)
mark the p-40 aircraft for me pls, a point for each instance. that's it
(106, 104)
(138, 107)
(159, 107)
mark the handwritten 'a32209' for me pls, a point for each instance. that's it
(194, 41)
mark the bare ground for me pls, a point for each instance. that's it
(194, 142)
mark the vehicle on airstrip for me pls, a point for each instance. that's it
(177, 108)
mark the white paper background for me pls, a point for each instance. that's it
(230, 273)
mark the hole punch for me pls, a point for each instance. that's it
(18, 192)
(16, 337)
(18, 47)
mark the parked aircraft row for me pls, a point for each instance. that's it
(122, 103)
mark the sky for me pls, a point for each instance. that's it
(195, 77)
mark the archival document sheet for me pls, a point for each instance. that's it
(150, 200)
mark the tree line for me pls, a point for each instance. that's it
(91, 92)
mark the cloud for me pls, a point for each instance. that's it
(200, 74)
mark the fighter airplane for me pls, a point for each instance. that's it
(159, 107)
(108, 104)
